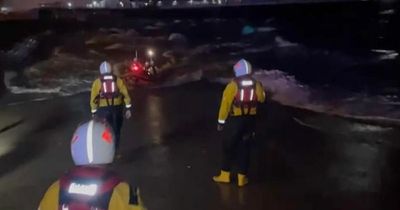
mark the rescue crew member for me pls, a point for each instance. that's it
(238, 110)
(108, 97)
(90, 184)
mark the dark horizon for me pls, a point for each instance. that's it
(23, 5)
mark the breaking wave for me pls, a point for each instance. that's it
(286, 90)
(69, 70)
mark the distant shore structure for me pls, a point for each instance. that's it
(19, 5)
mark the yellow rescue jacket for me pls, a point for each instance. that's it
(96, 101)
(120, 198)
(227, 107)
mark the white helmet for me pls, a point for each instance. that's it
(93, 143)
(105, 68)
(242, 67)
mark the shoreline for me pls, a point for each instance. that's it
(162, 149)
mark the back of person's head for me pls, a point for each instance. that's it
(93, 143)
(242, 68)
(105, 68)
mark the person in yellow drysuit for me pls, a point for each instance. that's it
(108, 96)
(90, 184)
(238, 110)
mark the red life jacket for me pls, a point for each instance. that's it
(246, 97)
(87, 188)
(109, 88)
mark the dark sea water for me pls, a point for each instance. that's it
(342, 63)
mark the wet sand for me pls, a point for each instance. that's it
(170, 148)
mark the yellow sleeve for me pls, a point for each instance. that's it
(226, 102)
(124, 199)
(50, 198)
(94, 95)
(124, 91)
(260, 92)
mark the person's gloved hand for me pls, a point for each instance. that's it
(128, 114)
(220, 127)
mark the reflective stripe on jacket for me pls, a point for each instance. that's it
(96, 101)
(122, 198)
(228, 109)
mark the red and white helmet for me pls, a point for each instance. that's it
(93, 143)
(242, 67)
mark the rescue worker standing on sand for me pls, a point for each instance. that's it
(90, 184)
(239, 102)
(108, 96)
